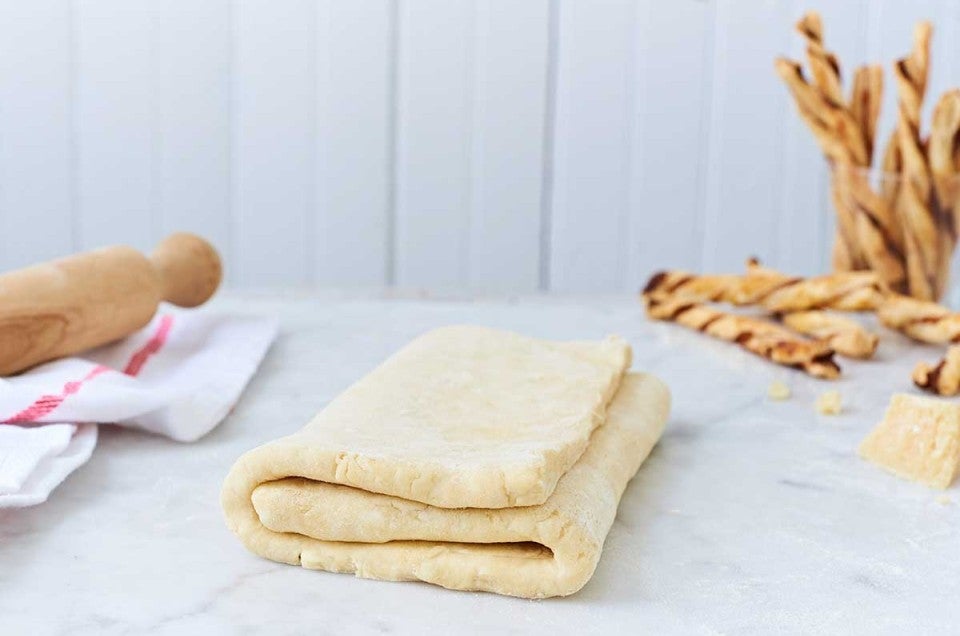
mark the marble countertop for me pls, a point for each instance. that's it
(750, 515)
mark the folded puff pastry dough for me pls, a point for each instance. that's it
(473, 458)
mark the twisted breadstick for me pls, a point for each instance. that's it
(824, 64)
(865, 97)
(942, 144)
(772, 290)
(868, 234)
(942, 378)
(846, 337)
(912, 72)
(833, 135)
(832, 124)
(891, 165)
(845, 133)
(920, 320)
(877, 230)
(920, 222)
(753, 334)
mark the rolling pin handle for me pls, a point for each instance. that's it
(189, 269)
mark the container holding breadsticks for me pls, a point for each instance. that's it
(895, 202)
(902, 225)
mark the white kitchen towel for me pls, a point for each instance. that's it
(177, 377)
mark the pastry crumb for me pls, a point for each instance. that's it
(828, 403)
(943, 500)
(778, 391)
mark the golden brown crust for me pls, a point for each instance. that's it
(921, 320)
(758, 336)
(772, 290)
(847, 337)
(942, 145)
(942, 378)
(921, 223)
(877, 229)
(865, 97)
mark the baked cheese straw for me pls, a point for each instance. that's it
(847, 337)
(833, 128)
(772, 290)
(823, 64)
(942, 143)
(920, 222)
(921, 320)
(891, 165)
(941, 146)
(915, 69)
(840, 138)
(758, 336)
(810, 26)
(879, 234)
(813, 111)
(865, 227)
(778, 292)
(865, 97)
(942, 378)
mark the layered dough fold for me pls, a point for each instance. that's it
(473, 459)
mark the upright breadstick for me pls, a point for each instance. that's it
(890, 178)
(914, 70)
(942, 144)
(921, 320)
(942, 378)
(753, 334)
(832, 125)
(846, 337)
(865, 97)
(920, 223)
(879, 234)
(824, 64)
(815, 113)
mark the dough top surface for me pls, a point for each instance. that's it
(469, 416)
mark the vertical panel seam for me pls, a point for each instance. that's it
(73, 92)
(788, 166)
(312, 207)
(634, 128)
(480, 16)
(470, 120)
(710, 103)
(233, 157)
(322, 18)
(779, 190)
(392, 115)
(155, 194)
(547, 145)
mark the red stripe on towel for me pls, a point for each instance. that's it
(46, 404)
(153, 345)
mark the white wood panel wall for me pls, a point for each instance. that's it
(564, 145)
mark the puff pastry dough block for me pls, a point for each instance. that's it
(473, 459)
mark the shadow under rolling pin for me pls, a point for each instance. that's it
(62, 307)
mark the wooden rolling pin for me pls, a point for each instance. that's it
(62, 307)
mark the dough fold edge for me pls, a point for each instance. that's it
(276, 502)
